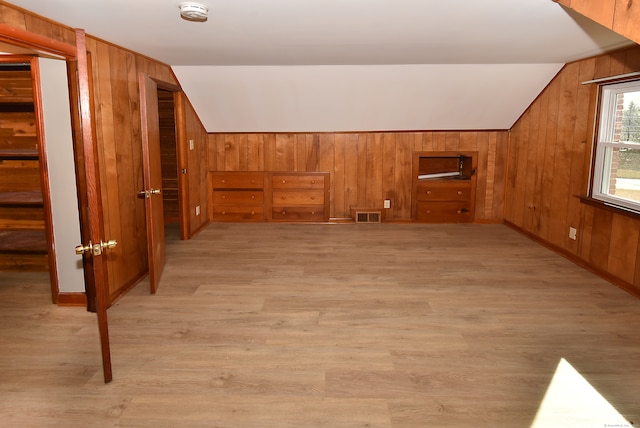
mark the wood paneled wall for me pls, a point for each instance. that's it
(116, 112)
(117, 118)
(21, 19)
(366, 167)
(197, 171)
(548, 166)
(116, 94)
(621, 16)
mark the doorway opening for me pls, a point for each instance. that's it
(23, 210)
(169, 163)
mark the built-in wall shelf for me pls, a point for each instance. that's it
(33, 197)
(444, 187)
(23, 233)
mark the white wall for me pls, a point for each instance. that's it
(62, 178)
(362, 97)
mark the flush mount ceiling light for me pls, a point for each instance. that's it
(192, 11)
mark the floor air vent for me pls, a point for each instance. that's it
(361, 215)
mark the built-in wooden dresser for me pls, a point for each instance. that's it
(444, 187)
(269, 196)
(237, 196)
(300, 196)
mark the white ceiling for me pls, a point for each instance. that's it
(242, 36)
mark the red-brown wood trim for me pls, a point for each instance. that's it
(72, 299)
(167, 86)
(147, 85)
(182, 152)
(81, 184)
(94, 205)
(36, 41)
(199, 229)
(44, 178)
(628, 287)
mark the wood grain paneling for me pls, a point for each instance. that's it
(368, 167)
(168, 156)
(548, 166)
(117, 124)
(621, 16)
(23, 218)
(626, 18)
(197, 169)
(601, 11)
(117, 117)
(16, 87)
(23, 20)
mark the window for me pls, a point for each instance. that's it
(616, 174)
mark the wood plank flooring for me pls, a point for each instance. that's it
(282, 325)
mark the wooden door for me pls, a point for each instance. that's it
(152, 176)
(89, 176)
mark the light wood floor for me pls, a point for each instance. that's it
(272, 325)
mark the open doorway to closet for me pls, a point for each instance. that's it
(169, 161)
(37, 175)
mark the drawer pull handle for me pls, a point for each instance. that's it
(253, 212)
(284, 181)
(284, 197)
(224, 181)
(313, 181)
(428, 211)
(284, 212)
(463, 211)
(253, 196)
(428, 192)
(313, 198)
(313, 212)
(224, 196)
(459, 192)
(253, 181)
(224, 212)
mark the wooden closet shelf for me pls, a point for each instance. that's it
(27, 241)
(21, 198)
(18, 154)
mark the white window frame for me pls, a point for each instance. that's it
(604, 144)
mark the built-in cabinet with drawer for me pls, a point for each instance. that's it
(444, 185)
(299, 196)
(237, 196)
(269, 196)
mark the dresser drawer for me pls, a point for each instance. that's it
(298, 197)
(237, 180)
(444, 212)
(238, 197)
(298, 213)
(444, 191)
(306, 181)
(238, 213)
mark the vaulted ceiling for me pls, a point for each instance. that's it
(337, 65)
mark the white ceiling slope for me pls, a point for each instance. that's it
(334, 65)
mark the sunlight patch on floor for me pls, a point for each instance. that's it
(570, 401)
